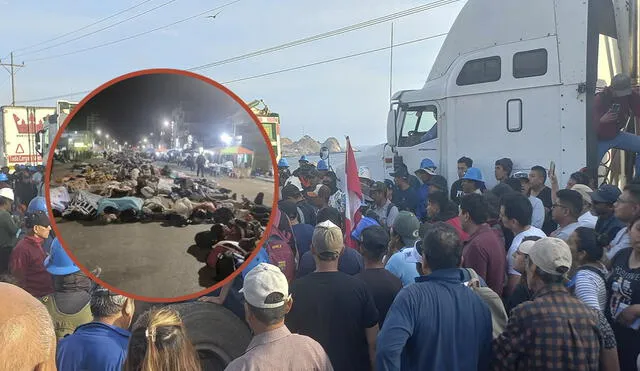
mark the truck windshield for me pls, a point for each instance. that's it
(418, 125)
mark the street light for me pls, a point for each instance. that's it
(98, 132)
(107, 136)
(166, 123)
(226, 138)
(144, 140)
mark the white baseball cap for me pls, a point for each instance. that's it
(7, 193)
(262, 281)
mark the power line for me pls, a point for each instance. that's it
(348, 56)
(328, 34)
(273, 72)
(136, 35)
(83, 28)
(102, 29)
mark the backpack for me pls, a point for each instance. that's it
(226, 257)
(499, 316)
(280, 247)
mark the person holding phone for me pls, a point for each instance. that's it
(612, 109)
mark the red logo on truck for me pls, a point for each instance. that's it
(29, 127)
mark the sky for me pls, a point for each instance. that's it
(345, 97)
(136, 107)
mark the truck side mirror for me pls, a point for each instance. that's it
(39, 140)
(391, 127)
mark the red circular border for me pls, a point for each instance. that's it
(96, 92)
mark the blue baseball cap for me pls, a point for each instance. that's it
(364, 223)
(3, 177)
(473, 173)
(59, 263)
(607, 193)
(303, 159)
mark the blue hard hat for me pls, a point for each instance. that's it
(3, 177)
(365, 223)
(58, 262)
(428, 165)
(473, 173)
(283, 163)
(37, 204)
(303, 158)
(322, 165)
(32, 168)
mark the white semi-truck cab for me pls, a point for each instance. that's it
(517, 79)
(46, 137)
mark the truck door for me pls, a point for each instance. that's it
(418, 137)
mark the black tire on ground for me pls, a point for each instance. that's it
(218, 335)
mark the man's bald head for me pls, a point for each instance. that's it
(26, 330)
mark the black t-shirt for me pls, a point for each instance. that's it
(623, 289)
(384, 287)
(334, 309)
(549, 225)
(456, 191)
(350, 262)
(407, 200)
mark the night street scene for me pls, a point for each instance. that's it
(162, 178)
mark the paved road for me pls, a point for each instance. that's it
(147, 259)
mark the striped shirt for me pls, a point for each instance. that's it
(591, 289)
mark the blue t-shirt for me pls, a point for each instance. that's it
(423, 194)
(401, 268)
(303, 233)
(350, 262)
(93, 346)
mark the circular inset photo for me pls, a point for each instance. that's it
(161, 184)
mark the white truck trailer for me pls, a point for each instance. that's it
(514, 78)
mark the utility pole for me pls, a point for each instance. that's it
(12, 71)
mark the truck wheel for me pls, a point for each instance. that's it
(218, 335)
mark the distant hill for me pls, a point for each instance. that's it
(308, 146)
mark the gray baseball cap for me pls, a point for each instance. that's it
(621, 85)
(406, 225)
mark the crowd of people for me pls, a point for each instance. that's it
(527, 275)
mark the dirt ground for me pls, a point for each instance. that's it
(147, 259)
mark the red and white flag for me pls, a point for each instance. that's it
(353, 193)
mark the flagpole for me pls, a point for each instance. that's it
(391, 65)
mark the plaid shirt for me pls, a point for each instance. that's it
(554, 332)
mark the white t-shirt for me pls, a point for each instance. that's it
(588, 220)
(591, 289)
(537, 216)
(620, 241)
(517, 240)
(564, 233)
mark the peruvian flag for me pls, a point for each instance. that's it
(353, 193)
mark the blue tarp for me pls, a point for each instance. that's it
(120, 204)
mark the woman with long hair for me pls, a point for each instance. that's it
(159, 342)
(588, 283)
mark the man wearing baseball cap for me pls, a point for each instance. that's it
(554, 316)
(602, 206)
(274, 347)
(334, 308)
(382, 206)
(27, 258)
(405, 197)
(404, 234)
(612, 108)
(586, 219)
(8, 228)
(425, 173)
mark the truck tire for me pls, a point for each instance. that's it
(218, 335)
